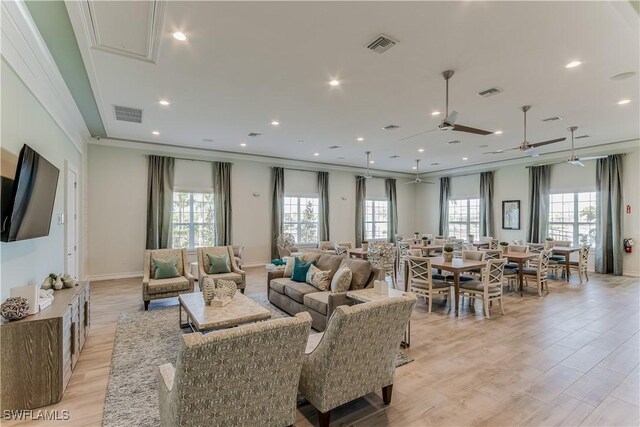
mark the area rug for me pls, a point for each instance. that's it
(145, 340)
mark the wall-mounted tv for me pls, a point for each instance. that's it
(28, 206)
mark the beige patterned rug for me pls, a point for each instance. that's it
(145, 340)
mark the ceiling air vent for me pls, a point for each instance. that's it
(489, 92)
(552, 119)
(454, 142)
(395, 156)
(128, 114)
(254, 134)
(391, 127)
(334, 147)
(381, 44)
(582, 136)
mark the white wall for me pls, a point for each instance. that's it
(24, 120)
(117, 204)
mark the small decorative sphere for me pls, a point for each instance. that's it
(14, 308)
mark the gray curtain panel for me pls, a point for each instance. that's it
(539, 189)
(323, 205)
(443, 228)
(609, 215)
(277, 208)
(222, 202)
(486, 204)
(361, 198)
(392, 215)
(159, 201)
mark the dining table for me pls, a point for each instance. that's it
(566, 251)
(455, 266)
(358, 253)
(481, 245)
(427, 249)
(520, 258)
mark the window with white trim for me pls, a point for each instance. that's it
(192, 220)
(572, 216)
(375, 219)
(464, 218)
(301, 218)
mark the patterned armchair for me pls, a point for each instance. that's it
(356, 355)
(383, 255)
(153, 288)
(237, 377)
(285, 244)
(236, 274)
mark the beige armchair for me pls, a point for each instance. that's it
(153, 288)
(238, 251)
(357, 354)
(236, 274)
(244, 376)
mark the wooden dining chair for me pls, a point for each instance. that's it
(488, 289)
(422, 283)
(581, 264)
(539, 273)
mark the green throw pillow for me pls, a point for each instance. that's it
(219, 264)
(300, 269)
(165, 268)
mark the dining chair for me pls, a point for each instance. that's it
(559, 259)
(472, 256)
(401, 258)
(458, 247)
(422, 283)
(485, 239)
(581, 264)
(539, 273)
(494, 243)
(489, 288)
(518, 242)
(342, 250)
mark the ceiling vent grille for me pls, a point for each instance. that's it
(334, 147)
(254, 134)
(454, 142)
(489, 92)
(552, 119)
(381, 44)
(390, 127)
(395, 156)
(128, 114)
(582, 136)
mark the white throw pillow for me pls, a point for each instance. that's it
(318, 278)
(341, 281)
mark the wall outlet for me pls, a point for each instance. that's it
(60, 219)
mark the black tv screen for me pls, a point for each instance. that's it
(26, 214)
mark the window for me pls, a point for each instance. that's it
(301, 218)
(192, 223)
(464, 218)
(375, 220)
(572, 216)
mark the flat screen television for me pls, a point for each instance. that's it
(27, 211)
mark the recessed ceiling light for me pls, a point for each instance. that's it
(414, 168)
(243, 145)
(371, 161)
(465, 158)
(155, 132)
(420, 150)
(334, 82)
(498, 132)
(179, 36)
(164, 102)
(300, 141)
(573, 64)
(275, 123)
(316, 154)
(435, 113)
(360, 139)
(624, 101)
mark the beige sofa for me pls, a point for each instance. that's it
(295, 297)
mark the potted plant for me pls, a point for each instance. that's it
(548, 243)
(503, 246)
(425, 241)
(471, 238)
(447, 253)
(56, 282)
(365, 245)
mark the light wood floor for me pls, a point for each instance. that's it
(568, 358)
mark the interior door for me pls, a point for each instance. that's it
(71, 222)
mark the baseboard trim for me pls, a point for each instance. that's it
(112, 276)
(255, 264)
(631, 273)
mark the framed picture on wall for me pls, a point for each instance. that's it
(511, 214)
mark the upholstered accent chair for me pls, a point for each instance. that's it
(153, 288)
(238, 252)
(581, 264)
(422, 283)
(236, 274)
(489, 288)
(327, 246)
(286, 244)
(383, 255)
(356, 355)
(244, 376)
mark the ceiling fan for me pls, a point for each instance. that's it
(449, 121)
(526, 146)
(417, 179)
(573, 160)
(367, 174)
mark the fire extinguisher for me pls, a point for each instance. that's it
(628, 245)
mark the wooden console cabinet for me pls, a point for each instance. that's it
(39, 352)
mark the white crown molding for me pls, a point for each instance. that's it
(26, 52)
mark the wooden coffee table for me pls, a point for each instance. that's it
(201, 317)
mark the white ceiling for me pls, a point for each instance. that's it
(248, 63)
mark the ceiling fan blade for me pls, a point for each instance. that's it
(451, 118)
(417, 134)
(428, 182)
(592, 158)
(411, 182)
(460, 128)
(498, 152)
(551, 141)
